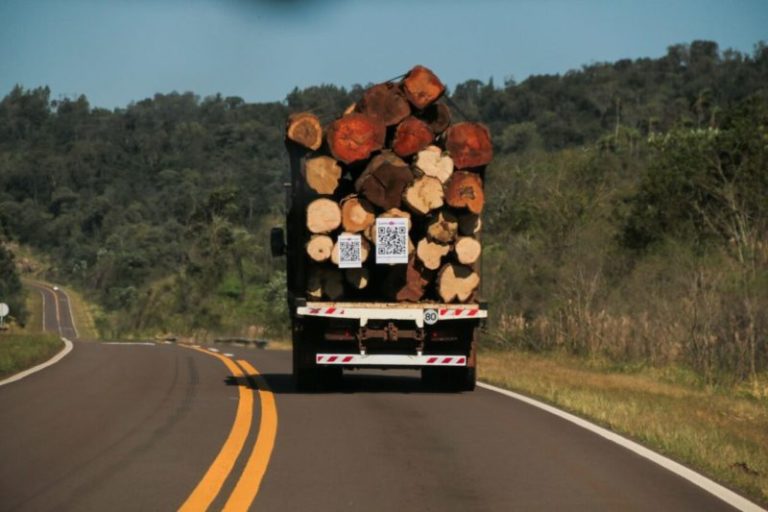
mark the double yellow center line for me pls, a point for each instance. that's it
(248, 484)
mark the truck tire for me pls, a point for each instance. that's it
(449, 379)
(308, 377)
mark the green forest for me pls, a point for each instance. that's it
(627, 214)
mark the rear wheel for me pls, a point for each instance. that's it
(449, 379)
(307, 375)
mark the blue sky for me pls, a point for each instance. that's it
(117, 51)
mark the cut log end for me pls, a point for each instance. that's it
(430, 253)
(432, 162)
(422, 87)
(465, 190)
(319, 247)
(424, 195)
(443, 227)
(305, 129)
(467, 250)
(437, 116)
(411, 136)
(385, 103)
(385, 185)
(323, 216)
(457, 283)
(469, 145)
(354, 137)
(322, 174)
(357, 214)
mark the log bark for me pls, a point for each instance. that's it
(465, 190)
(411, 136)
(467, 250)
(469, 144)
(357, 277)
(304, 129)
(319, 247)
(470, 224)
(356, 214)
(385, 103)
(323, 216)
(456, 283)
(409, 282)
(385, 185)
(322, 174)
(422, 87)
(437, 116)
(325, 282)
(354, 137)
(430, 253)
(443, 227)
(432, 162)
(424, 195)
(365, 250)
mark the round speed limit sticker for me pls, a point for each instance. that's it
(430, 316)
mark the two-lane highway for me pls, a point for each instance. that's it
(152, 426)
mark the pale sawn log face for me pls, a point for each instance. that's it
(431, 253)
(424, 195)
(456, 282)
(319, 248)
(467, 250)
(432, 162)
(323, 216)
(305, 129)
(357, 214)
(322, 174)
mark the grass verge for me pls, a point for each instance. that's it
(21, 351)
(721, 433)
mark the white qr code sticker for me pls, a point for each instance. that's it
(349, 251)
(392, 240)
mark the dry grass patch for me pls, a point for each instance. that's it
(721, 434)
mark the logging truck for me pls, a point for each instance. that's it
(382, 237)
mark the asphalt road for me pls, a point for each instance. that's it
(137, 427)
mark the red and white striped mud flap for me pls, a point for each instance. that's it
(390, 360)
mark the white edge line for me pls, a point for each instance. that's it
(71, 316)
(726, 495)
(68, 346)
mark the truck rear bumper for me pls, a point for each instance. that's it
(419, 313)
(390, 360)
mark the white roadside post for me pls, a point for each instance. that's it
(4, 310)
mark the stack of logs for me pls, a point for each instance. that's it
(395, 153)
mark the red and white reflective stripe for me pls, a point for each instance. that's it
(390, 360)
(325, 311)
(448, 313)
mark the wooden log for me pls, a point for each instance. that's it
(456, 283)
(325, 282)
(443, 227)
(432, 162)
(437, 116)
(385, 103)
(424, 195)
(357, 277)
(396, 213)
(465, 190)
(422, 87)
(323, 216)
(304, 129)
(354, 137)
(469, 144)
(351, 109)
(365, 250)
(322, 174)
(356, 214)
(411, 136)
(319, 247)
(470, 224)
(407, 283)
(385, 185)
(430, 253)
(467, 250)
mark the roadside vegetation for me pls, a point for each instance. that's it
(21, 351)
(720, 431)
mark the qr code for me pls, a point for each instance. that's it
(349, 250)
(392, 240)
